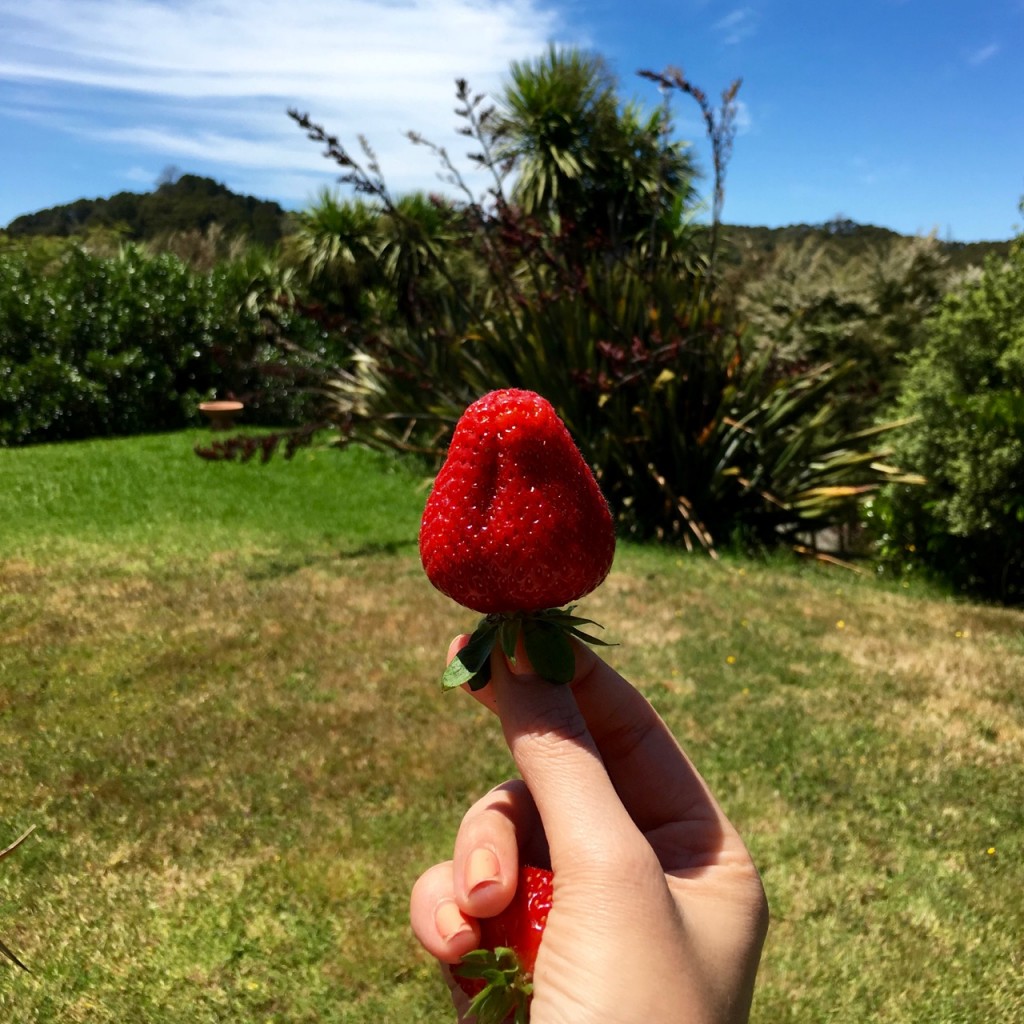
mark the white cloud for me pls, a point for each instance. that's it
(744, 121)
(873, 172)
(139, 175)
(737, 25)
(983, 54)
(178, 81)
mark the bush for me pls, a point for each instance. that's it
(97, 346)
(266, 341)
(965, 388)
(814, 303)
(94, 345)
(691, 436)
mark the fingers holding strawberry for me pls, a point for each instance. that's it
(493, 982)
(483, 913)
(656, 911)
(498, 834)
(652, 908)
(444, 929)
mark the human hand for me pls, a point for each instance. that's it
(658, 913)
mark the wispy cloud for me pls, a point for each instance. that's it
(737, 25)
(189, 80)
(744, 120)
(983, 54)
(872, 172)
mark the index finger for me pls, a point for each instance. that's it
(655, 780)
(547, 735)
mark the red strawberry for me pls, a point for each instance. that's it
(515, 527)
(498, 977)
(516, 521)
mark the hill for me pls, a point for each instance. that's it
(850, 238)
(188, 203)
(194, 203)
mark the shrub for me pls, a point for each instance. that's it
(965, 388)
(691, 435)
(814, 303)
(266, 341)
(98, 345)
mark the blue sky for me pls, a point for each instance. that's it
(902, 113)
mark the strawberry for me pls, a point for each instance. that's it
(498, 977)
(515, 527)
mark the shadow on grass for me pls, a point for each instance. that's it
(276, 568)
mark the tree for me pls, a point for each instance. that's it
(813, 302)
(609, 172)
(965, 390)
(408, 239)
(168, 176)
(690, 435)
(334, 244)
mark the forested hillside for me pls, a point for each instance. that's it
(193, 203)
(189, 203)
(847, 238)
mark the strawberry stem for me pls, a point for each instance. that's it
(546, 636)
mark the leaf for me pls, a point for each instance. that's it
(508, 633)
(549, 650)
(472, 664)
(5, 950)
(482, 678)
(10, 956)
(566, 618)
(506, 991)
(595, 641)
(569, 623)
(17, 842)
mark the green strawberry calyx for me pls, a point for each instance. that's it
(506, 991)
(546, 637)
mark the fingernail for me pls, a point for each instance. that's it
(482, 869)
(449, 921)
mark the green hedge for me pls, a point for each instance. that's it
(95, 346)
(965, 388)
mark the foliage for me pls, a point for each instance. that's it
(690, 434)
(604, 172)
(749, 247)
(333, 245)
(811, 303)
(189, 203)
(101, 345)
(267, 339)
(98, 346)
(693, 438)
(202, 249)
(965, 388)
(720, 127)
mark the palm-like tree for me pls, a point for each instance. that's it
(415, 239)
(553, 110)
(335, 246)
(609, 171)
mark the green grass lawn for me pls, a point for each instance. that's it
(219, 705)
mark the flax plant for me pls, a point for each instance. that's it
(693, 433)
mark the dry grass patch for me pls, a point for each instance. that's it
(953, 673)
(215, 753)
(239, 759)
